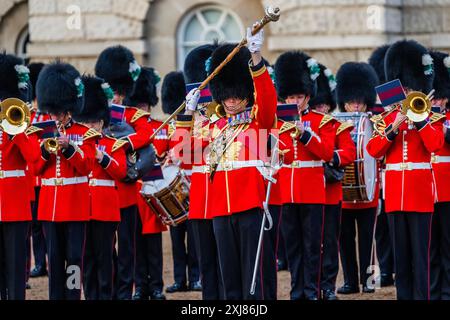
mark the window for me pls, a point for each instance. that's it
(203, 26)
(21, 44)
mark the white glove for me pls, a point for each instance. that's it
(192, 99)
(255, 43)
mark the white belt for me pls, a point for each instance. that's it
(188, 172)
(11, 174)
(101, 183)
(229, 165)
(439, 159)
(408, 166)
(64, 181)
(304, 164)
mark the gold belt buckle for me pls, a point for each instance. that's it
(296, 164)
(227, 166)
(93, 182)
(59, 181)
(2, 174)
(434, 159)
(404, 166)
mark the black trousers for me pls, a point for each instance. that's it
(126, 255)
(37, 234)
(65, 244)
(184, 255)
(303, 232)
(271, 247)
(330, 265)
(364, 220)
(13, 236)
(98, 260)
(149, 262)
(385, 253)
(411, 235)
(440, 259)
(237, 242)
(281, 252)
(212, 287)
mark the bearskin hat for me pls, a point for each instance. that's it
(117, 66)
(293, 75)
(14, 79)
(410, 62)
(173, 91)
(195, 64)
(96, 101)
(59, 88)
(356, 81)
(235, 79)
(35, 69)
(441, 84)
(376, 60)
(144, 90)
(326, 85)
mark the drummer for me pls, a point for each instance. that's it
(355, 92)
(303, 203)
(344, 154)
(149, 228)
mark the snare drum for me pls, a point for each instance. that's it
(359, 183)
(169, 197)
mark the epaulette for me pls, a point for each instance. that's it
(91, 133)
(344, 126)
(32, 129)
(139, 114)
(435, 117)
(287, 126)
(326, 118)
(171, 127)
(118, 144)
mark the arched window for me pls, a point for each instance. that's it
(21, 44)
(204, 25)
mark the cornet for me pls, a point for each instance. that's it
(51, 144)
(416, 107)
(15, 116)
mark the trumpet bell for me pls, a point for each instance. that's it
(51, 145)
(417, 106)
(15, 116)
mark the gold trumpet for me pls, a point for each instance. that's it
(416, 107)
(51, 144)
(15, 116)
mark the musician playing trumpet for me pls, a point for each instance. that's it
(408, 186)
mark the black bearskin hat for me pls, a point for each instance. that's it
(356, 81)
(441, 84)
(173, 91)
(293, 75)
(96, 101)
(376, 60)
(410, 62)
(14, 78)
(144, 90)
(326, 85)
(35, 69)
(235, 79)
(117, 66)
(59, 88)
(195, 63)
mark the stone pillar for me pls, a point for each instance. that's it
(78, 30)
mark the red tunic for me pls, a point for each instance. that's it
(302, 177)
(441, 169)
(16, 154)
(408, 184)
(60, 199)
(113, 167)
(344, 155)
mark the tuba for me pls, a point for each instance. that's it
(15, 116)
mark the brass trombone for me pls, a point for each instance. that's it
(416, 107)
(15, 116)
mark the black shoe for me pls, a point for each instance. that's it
(312, 298)
(281, 265)
(176, 287)
(38, 272)
(347, 289)
(367, 289)
(157, 295)
(195, 286)
(27, 286)
(386, 280)
(329, 295)
(140, 296)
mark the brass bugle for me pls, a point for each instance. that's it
(15, 116)
(51, 145)
(271, 14)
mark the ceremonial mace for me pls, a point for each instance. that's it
(271, 14)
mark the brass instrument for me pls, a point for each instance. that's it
(416, 107)
(51, 144)
(15, 116)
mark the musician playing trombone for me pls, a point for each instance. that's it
(407, 139)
